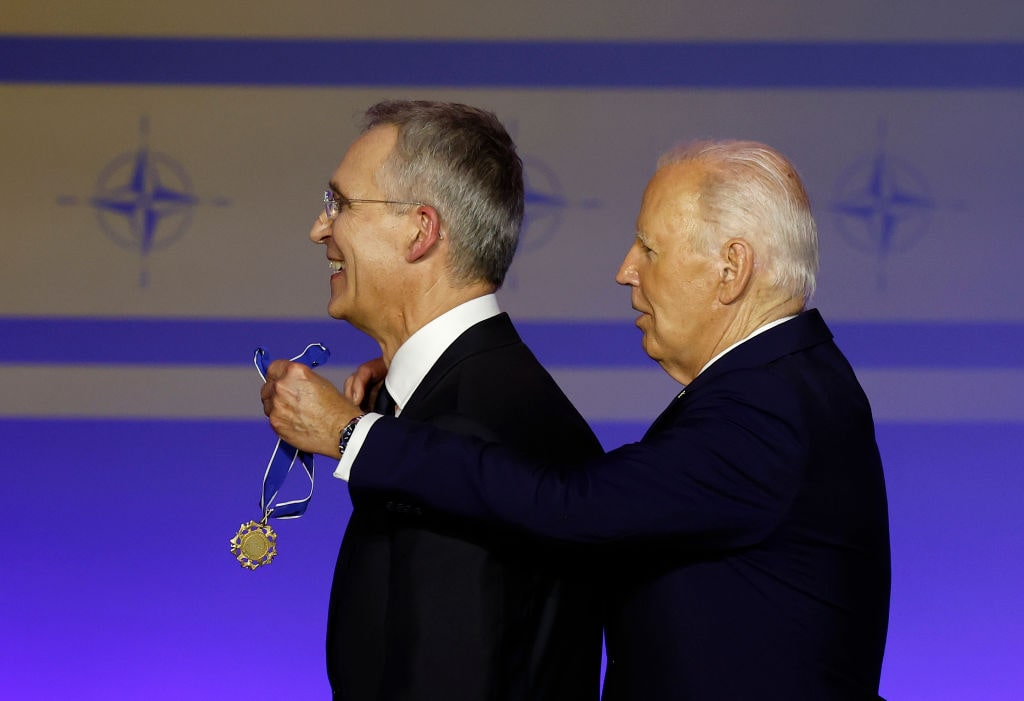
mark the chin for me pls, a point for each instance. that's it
(645, 343)
(651, 348)
(336, 311)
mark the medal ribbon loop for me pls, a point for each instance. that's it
(285, 454)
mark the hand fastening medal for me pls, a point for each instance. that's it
(255, 543)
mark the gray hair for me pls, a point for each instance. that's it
(460, 160)
(752, 191)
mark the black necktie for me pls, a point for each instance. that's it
(384, 404)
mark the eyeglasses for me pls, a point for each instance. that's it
(333, 204)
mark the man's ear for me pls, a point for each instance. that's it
(428, 233)
(737, 270)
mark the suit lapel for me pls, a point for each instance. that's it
(807, 329)
(490, 333)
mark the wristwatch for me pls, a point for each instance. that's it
(346, 434)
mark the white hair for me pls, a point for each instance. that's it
(752, 191)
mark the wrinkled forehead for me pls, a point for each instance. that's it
(672, 197)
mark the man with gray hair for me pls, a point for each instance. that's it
(420, 224)
(746, 535)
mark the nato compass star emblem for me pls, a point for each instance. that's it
(882, 205)
(544, 206)
(143, 200)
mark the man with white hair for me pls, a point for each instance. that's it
(746, 535)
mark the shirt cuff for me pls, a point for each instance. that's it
(344, 468)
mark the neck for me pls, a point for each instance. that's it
(419, 309)
(747, 321)
(737, 324)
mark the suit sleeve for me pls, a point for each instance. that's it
(721, 475)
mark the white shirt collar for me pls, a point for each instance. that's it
(758, 330)
(417, 355)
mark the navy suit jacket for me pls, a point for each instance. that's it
(745, 538)
(423, 607)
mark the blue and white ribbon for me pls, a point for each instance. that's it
(285, 454)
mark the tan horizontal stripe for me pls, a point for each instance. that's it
(601, 394)
(524, 19)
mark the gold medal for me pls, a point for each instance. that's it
(255, 544)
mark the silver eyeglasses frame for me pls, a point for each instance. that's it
(333, 204)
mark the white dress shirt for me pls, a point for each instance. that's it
(413, 360)
(421, 351)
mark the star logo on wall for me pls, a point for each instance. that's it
(545, 205)
(882, 204)
(143, 200)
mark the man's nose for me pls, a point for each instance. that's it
(321, 230)
(627, 274)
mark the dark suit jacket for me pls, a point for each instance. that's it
(745, 537)
(426, 608)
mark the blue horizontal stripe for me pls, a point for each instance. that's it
(932, 345)
(328, 63)
(172, 341)
(570, 343)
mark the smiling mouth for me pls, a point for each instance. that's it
(336, 266)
